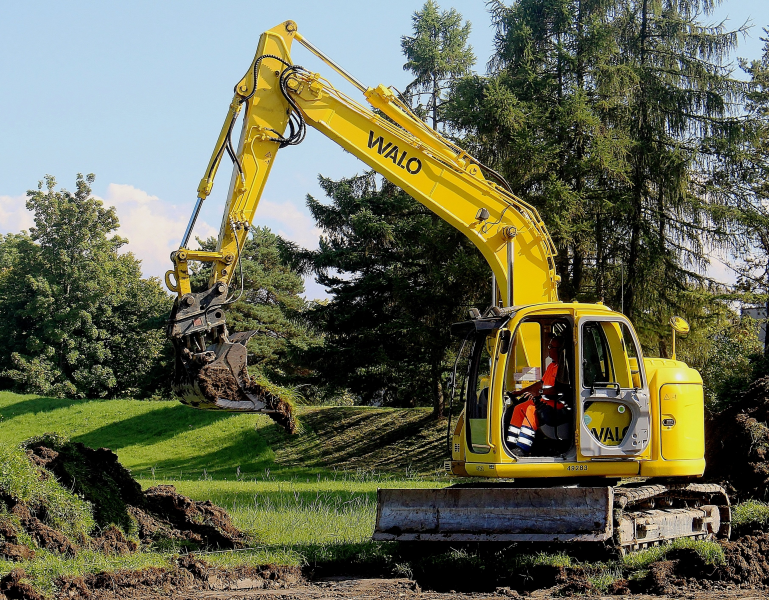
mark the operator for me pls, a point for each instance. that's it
(524, 424)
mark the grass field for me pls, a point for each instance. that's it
(166, 440)
(308, 499)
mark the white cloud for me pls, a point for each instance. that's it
(121, 193)
(288, 221)
(152, 227)
(14, 216)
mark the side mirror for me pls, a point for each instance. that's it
(680, 326)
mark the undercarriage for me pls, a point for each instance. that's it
(626, 518)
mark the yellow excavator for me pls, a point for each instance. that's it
(611, 444)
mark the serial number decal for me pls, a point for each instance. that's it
(576, 468)
(413, 165)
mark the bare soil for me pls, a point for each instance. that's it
(738, 444)
(217, 382)
(158, 515)
(194, 579)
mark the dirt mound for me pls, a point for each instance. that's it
(160, 513)
(746, 564)
(159, 517)
(15, 586)
(96, 475)
(747, 560)
(619, 587)
(189, 574)
(44, 536)
(738, 444)
(112, 541)
(167, 513)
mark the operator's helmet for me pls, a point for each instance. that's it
(555, 342)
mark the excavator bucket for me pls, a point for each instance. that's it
(495, 514)
(210, 369)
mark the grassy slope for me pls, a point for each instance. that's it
(179, 442)
(306, 497)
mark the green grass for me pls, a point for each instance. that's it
(310, 512)
(710, 552)
(172, 441)
(47, 566)
(749, 515)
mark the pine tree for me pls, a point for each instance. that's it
(680, 119)
(613, 117)
(398, 279)
(750, 181)
(437, 54)
(540, 118)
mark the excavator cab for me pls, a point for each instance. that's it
(596, 402)
(527, 361)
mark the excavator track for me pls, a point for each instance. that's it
(626, 518)
(650, 515)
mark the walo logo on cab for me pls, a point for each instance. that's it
(413, 165)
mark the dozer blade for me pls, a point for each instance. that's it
(495, 514)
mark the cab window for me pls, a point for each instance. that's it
(609, 355)
(478, 393)
(596, 360)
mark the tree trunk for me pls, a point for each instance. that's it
(437, 388)
(435, 102)
(766, 329)
(639, 179)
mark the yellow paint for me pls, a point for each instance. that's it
(559, 469)
(683, 406)
(608, 422)
(256, 153)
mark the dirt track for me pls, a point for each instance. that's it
(365, 589)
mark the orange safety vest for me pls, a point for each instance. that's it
(550, 373)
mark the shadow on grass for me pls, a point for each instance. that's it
(353, 438)
(149, 428)
(37, 404)
(454, 567)
(245, 448)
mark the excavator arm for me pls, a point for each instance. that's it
(279, 99)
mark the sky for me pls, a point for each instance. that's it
(136, 92)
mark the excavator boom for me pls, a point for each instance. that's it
(278, 100)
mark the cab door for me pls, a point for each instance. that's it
(478, 395)
(614, 411)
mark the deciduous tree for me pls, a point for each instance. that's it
(77, 313)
